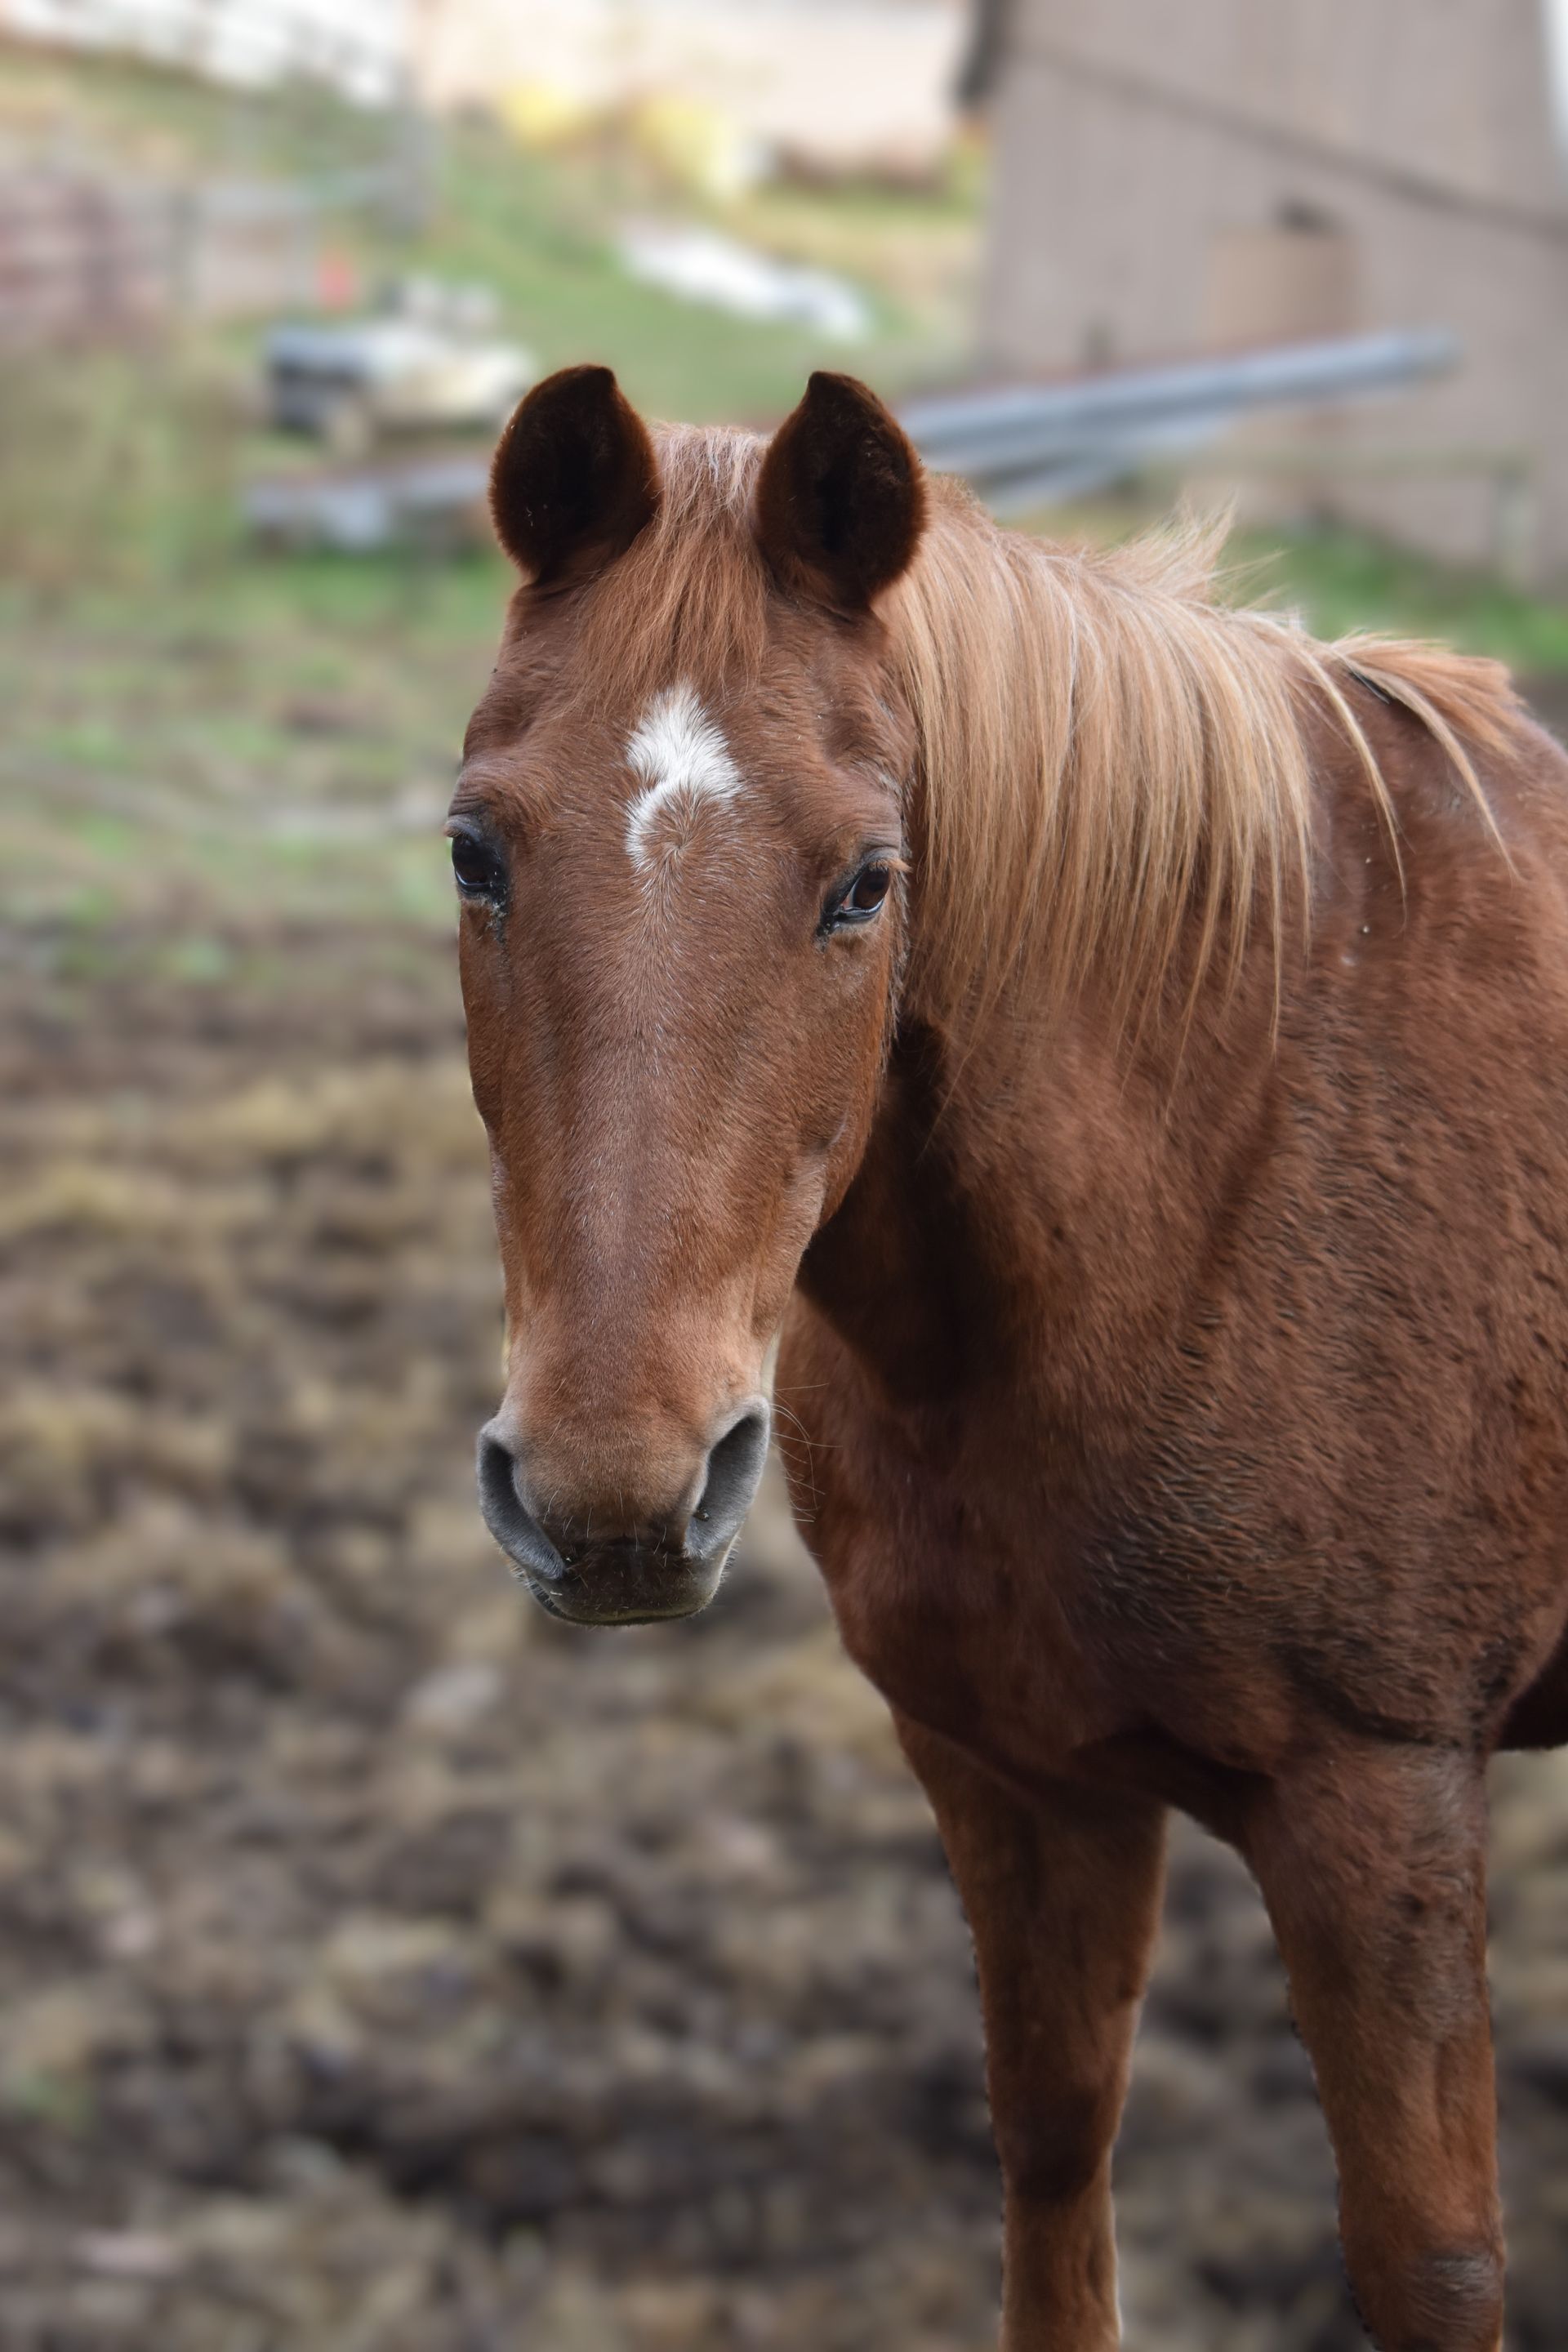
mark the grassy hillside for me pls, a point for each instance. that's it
(541, 230)
(199, 741)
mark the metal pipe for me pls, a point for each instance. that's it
(1028, 428)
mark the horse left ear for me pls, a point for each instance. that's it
(841, 497)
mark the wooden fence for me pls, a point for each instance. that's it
(84, 258)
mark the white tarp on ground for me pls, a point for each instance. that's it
(701, 266)
(361, 48)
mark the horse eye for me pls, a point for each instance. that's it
(477, 873)
(864, 894)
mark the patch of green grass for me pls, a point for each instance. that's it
(541, 231)
(1342, 580)
(64, 2101)
(154, 772)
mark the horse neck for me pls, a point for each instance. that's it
(1036, 1206)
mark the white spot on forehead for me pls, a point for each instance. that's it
(683, 760)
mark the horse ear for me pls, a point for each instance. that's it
(575, 478)
(841, 497)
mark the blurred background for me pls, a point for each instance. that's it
(382, 1968)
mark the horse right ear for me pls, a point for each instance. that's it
(575, 476)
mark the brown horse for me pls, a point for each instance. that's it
(1122, 1046)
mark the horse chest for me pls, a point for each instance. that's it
(1031, 1622)
(949, 1596)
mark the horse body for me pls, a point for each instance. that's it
(1225, 1411)
(1122, 1044)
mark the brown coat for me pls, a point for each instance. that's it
(1123, 1045)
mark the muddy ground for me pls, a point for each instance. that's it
(385, 1970)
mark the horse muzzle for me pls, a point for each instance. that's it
(669, 1564)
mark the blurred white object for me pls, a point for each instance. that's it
(349, 383)
(361, 49)
(452, 1697)
(701, 266)
(465, 308)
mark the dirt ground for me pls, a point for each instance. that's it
(385, 1970)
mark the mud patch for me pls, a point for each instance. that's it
(385, 1970)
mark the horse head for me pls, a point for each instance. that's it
(678, 844)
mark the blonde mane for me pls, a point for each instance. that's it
(1109, 754)
(1115, 769)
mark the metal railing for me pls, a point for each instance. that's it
(1035, 444)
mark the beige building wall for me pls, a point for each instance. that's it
(1238, 169)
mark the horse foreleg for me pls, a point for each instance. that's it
(1372, 1865)
(1062, 1899)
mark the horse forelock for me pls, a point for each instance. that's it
(690, 598)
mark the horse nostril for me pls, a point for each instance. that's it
(733, 1471)
(508, 1517)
